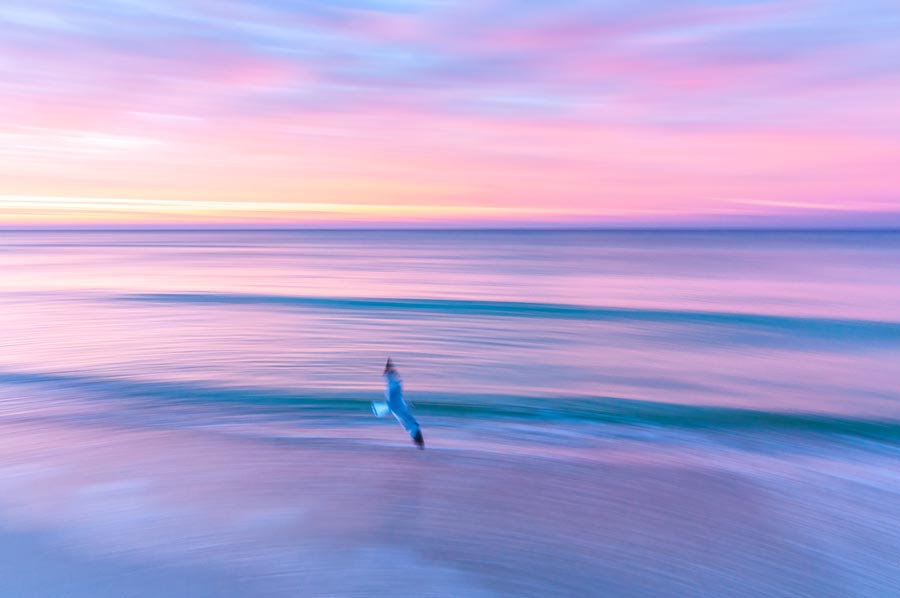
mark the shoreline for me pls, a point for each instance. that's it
(174, 508)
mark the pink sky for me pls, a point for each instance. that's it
(372, 112)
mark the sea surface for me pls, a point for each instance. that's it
(622, 413)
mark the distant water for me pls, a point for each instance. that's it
(778, 322)
(751, 351)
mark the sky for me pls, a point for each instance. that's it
(436, 112)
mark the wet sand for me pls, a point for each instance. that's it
(104, 511)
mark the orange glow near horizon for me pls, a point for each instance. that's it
(41, 210)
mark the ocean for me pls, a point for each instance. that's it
(621, 413)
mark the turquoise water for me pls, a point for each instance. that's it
(764, 357)
(804, 322)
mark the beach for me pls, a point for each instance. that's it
(198, 512)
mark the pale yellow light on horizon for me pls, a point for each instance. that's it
(28, 209)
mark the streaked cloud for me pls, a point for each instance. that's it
(601, 107)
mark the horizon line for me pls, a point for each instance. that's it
(544, 228)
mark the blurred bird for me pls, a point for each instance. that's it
(393, 392)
